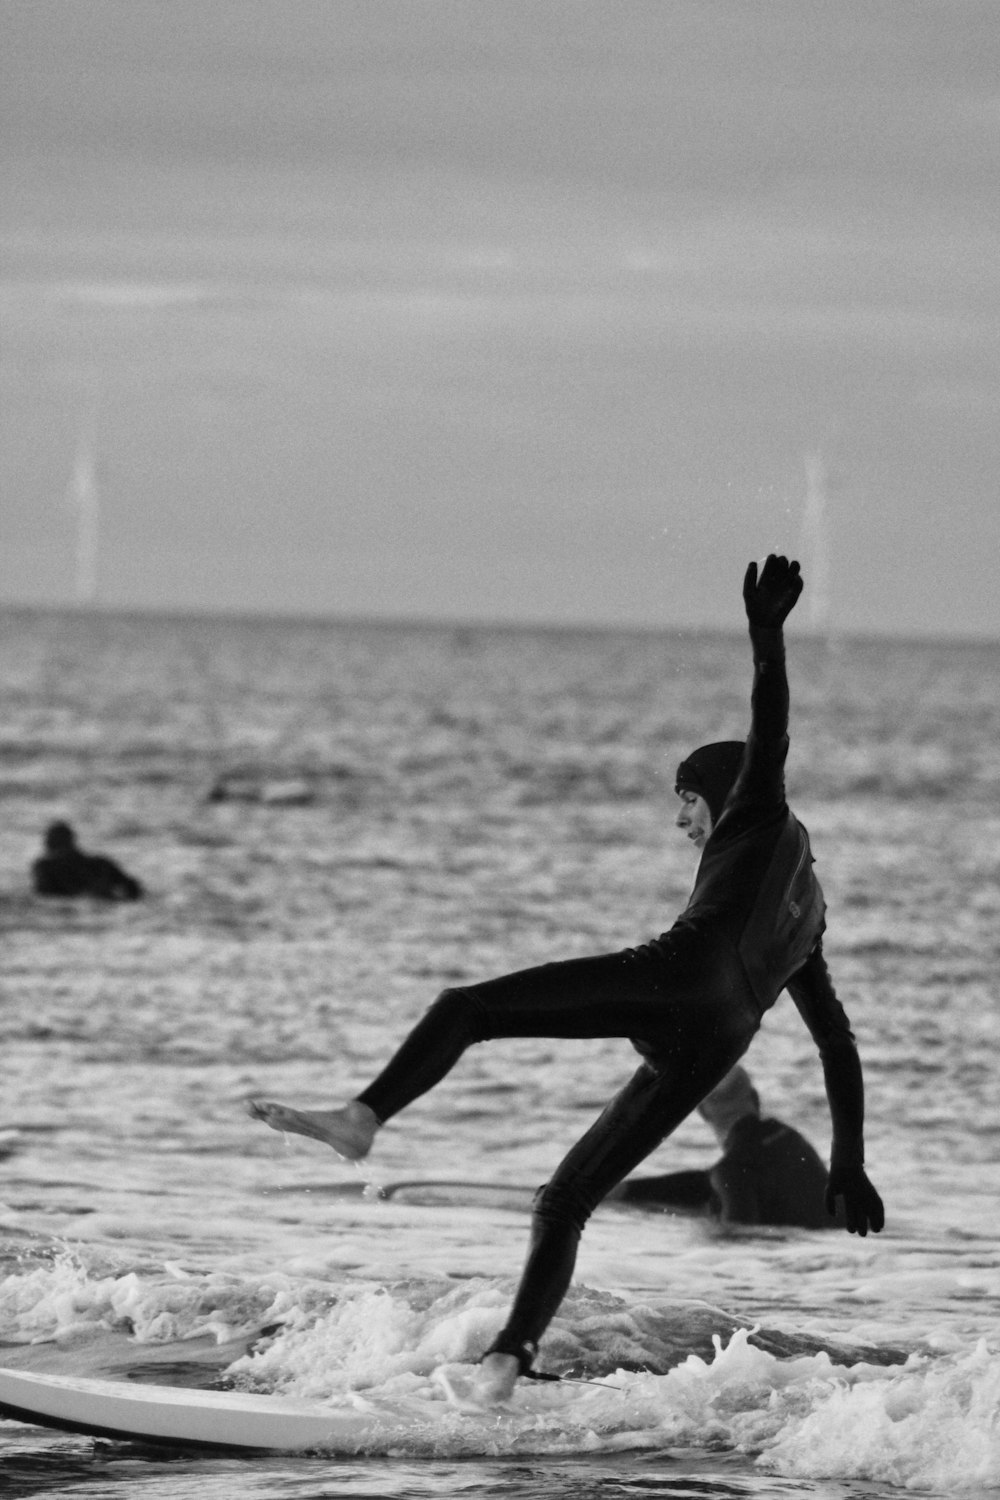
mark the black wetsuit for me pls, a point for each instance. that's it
(768, 1174)
(690, 1001)
(73, 873)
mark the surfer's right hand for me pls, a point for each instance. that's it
(770, 599)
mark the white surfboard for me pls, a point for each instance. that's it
(351, 1424)
(219, 1419)
(441, 1193)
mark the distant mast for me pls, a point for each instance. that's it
(84, 499)
(814, 545)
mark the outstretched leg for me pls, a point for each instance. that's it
(612, 995)
(429, 1052)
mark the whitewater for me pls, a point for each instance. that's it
(334, 821)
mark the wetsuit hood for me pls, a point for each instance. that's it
(710, 771)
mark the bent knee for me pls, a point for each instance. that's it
(567, 1204)
(462, 1010)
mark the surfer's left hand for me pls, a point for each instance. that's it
(862, 1204)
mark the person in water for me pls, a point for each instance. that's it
(690, 1001)
(65, 870)
(768, 1172)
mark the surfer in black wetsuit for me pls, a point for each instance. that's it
(768, 1173)
(65, 870)
(690, 1001)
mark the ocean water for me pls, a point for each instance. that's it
(333, 822)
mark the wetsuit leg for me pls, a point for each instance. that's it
(650, 1106)
(613, 995)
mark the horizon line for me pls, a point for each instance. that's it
(826, 635)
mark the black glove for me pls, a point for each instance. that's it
(862, 1204)
(771, 598)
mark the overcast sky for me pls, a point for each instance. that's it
(532, 310)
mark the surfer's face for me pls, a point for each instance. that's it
(694, 817)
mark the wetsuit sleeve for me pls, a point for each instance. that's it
(769, 709)
(812, 990)
(760, 785)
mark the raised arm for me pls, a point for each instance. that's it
(769, 600)
(814, 996)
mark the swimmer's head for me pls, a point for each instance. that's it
(59, 837)
(730, 1101)
(709, 772)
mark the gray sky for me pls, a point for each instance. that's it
(503, 309)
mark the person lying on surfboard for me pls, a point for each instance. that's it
(768, 1172)
(690, 1001)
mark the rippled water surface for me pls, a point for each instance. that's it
(335, 821)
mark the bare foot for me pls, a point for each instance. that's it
(350, 1131)
(479, 1387)
(498, 1375)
